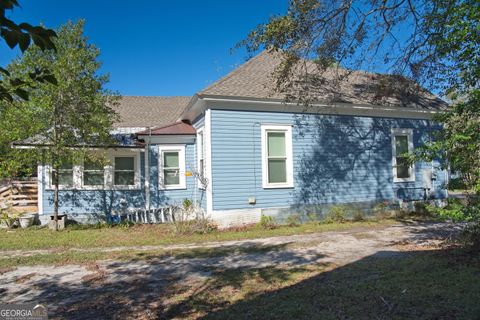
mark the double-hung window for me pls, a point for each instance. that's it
(172, 167)
(277, 162)
(93, 174)
(65, 175)
(402, 145)
(124, 173)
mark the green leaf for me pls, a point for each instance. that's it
(24, 41)
(11, 37)
(21, 93)
(50, 78)
(17, 82)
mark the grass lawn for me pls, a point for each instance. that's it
(441, 284)
(161, 234)
(140, 235)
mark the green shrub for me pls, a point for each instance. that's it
(267, 222)
(294, 220)
(187, 204)
(456, 211)
(337, 214)
(471, 236)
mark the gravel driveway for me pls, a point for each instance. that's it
(135, 285)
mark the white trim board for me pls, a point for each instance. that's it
(208, 159)
(201, 103)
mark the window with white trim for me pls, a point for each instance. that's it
(402, 145)
(124, 171)
(172, 167)
(93, 174)
(277, 158)
(65, 175)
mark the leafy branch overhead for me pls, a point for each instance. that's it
(431, 41)
(23, 35)
(434, 42)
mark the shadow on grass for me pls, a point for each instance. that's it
(439, 284)
(214, 284)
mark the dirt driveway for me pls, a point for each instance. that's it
(124, 289)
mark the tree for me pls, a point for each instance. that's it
(23, 35)
(74, 114)
(434, 42)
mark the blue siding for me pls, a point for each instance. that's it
(162, 197)
(337, 159)
(98, 203)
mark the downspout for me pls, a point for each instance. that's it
(147, 171)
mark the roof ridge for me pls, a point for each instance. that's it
(234, 71)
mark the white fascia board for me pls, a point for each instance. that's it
(251, 104)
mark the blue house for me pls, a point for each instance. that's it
(238, 150)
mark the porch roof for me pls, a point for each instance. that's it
(177, 128)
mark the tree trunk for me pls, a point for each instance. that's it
(55, 196)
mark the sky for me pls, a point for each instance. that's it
(156, 48)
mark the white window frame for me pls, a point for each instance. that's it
(181, 162)
(110, 170)
(409, 134)
(108, 173)
(287, 129)
(76, 178)
(96, 187)
(201, 155)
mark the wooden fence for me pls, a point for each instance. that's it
(21, 195)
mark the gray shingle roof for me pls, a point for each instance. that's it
(138, 111)
(255, 79)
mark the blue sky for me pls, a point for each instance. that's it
(161, 48)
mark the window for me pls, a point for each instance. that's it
(93, 173)
(124, 171)
(402, 144)
(172, 167)
(65, 175)
(277, 164)
(201, 157)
